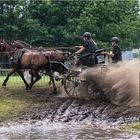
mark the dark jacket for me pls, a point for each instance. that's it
(117, 54)
(90, 46)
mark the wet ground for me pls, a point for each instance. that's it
(43, 130)
(65, 109)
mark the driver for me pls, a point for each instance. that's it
(116, 54)
(88, 48)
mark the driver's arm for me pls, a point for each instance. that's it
(80, 50)
(108, 54)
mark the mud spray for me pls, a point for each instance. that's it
(109, 93)
(117, 83)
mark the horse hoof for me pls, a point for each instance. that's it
(53, 93)
(49, 84)
(26, 88)
(3, 84)
(30, 87)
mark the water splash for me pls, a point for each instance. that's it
(41, 130)
(120, 84)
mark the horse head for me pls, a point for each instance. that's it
(6, 46)
(2, 48)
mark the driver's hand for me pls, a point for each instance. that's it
(77, 47)
(74, 54)
(75, 57)
(103, 53)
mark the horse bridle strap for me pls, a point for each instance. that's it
(2, 47)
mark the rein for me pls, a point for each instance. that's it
(7, 52)
(9, 43)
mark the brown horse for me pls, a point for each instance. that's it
(55, 55)
(20, 44)
(33, 60)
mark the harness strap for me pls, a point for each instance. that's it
(17, 59)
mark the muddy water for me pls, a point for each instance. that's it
(72, 119)
(42, 130)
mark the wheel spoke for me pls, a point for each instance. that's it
(70, 89)
(76, 93)
(71, 84)
(73, 92)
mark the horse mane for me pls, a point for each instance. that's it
(8, 43)
(28, 45)
(37, 48)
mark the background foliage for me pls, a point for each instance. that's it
(61, 23)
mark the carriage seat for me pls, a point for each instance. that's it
(100, 58)
(99, 51)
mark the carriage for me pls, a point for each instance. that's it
(72, 80)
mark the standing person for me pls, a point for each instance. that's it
(116, 54)
(88, 49)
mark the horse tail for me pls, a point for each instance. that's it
(49, 63)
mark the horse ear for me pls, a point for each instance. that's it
(12, 41)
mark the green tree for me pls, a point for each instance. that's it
(62, 23)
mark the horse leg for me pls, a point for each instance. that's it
(34, 74)
(37, 79)
(50, 82)
(22, 77)
(54, 86)
(7, 77)
(50, 73)
(32, 77)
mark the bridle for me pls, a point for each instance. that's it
(1, 47)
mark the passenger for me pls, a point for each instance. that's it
(116, 54)
(88, 49)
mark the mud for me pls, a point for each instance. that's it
(56, 117)
(58, 109)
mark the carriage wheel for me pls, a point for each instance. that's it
(71, 83)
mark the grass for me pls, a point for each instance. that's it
(10, 107)
(16, 80)
(131, 127)
(15, 100)
(12, 103)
